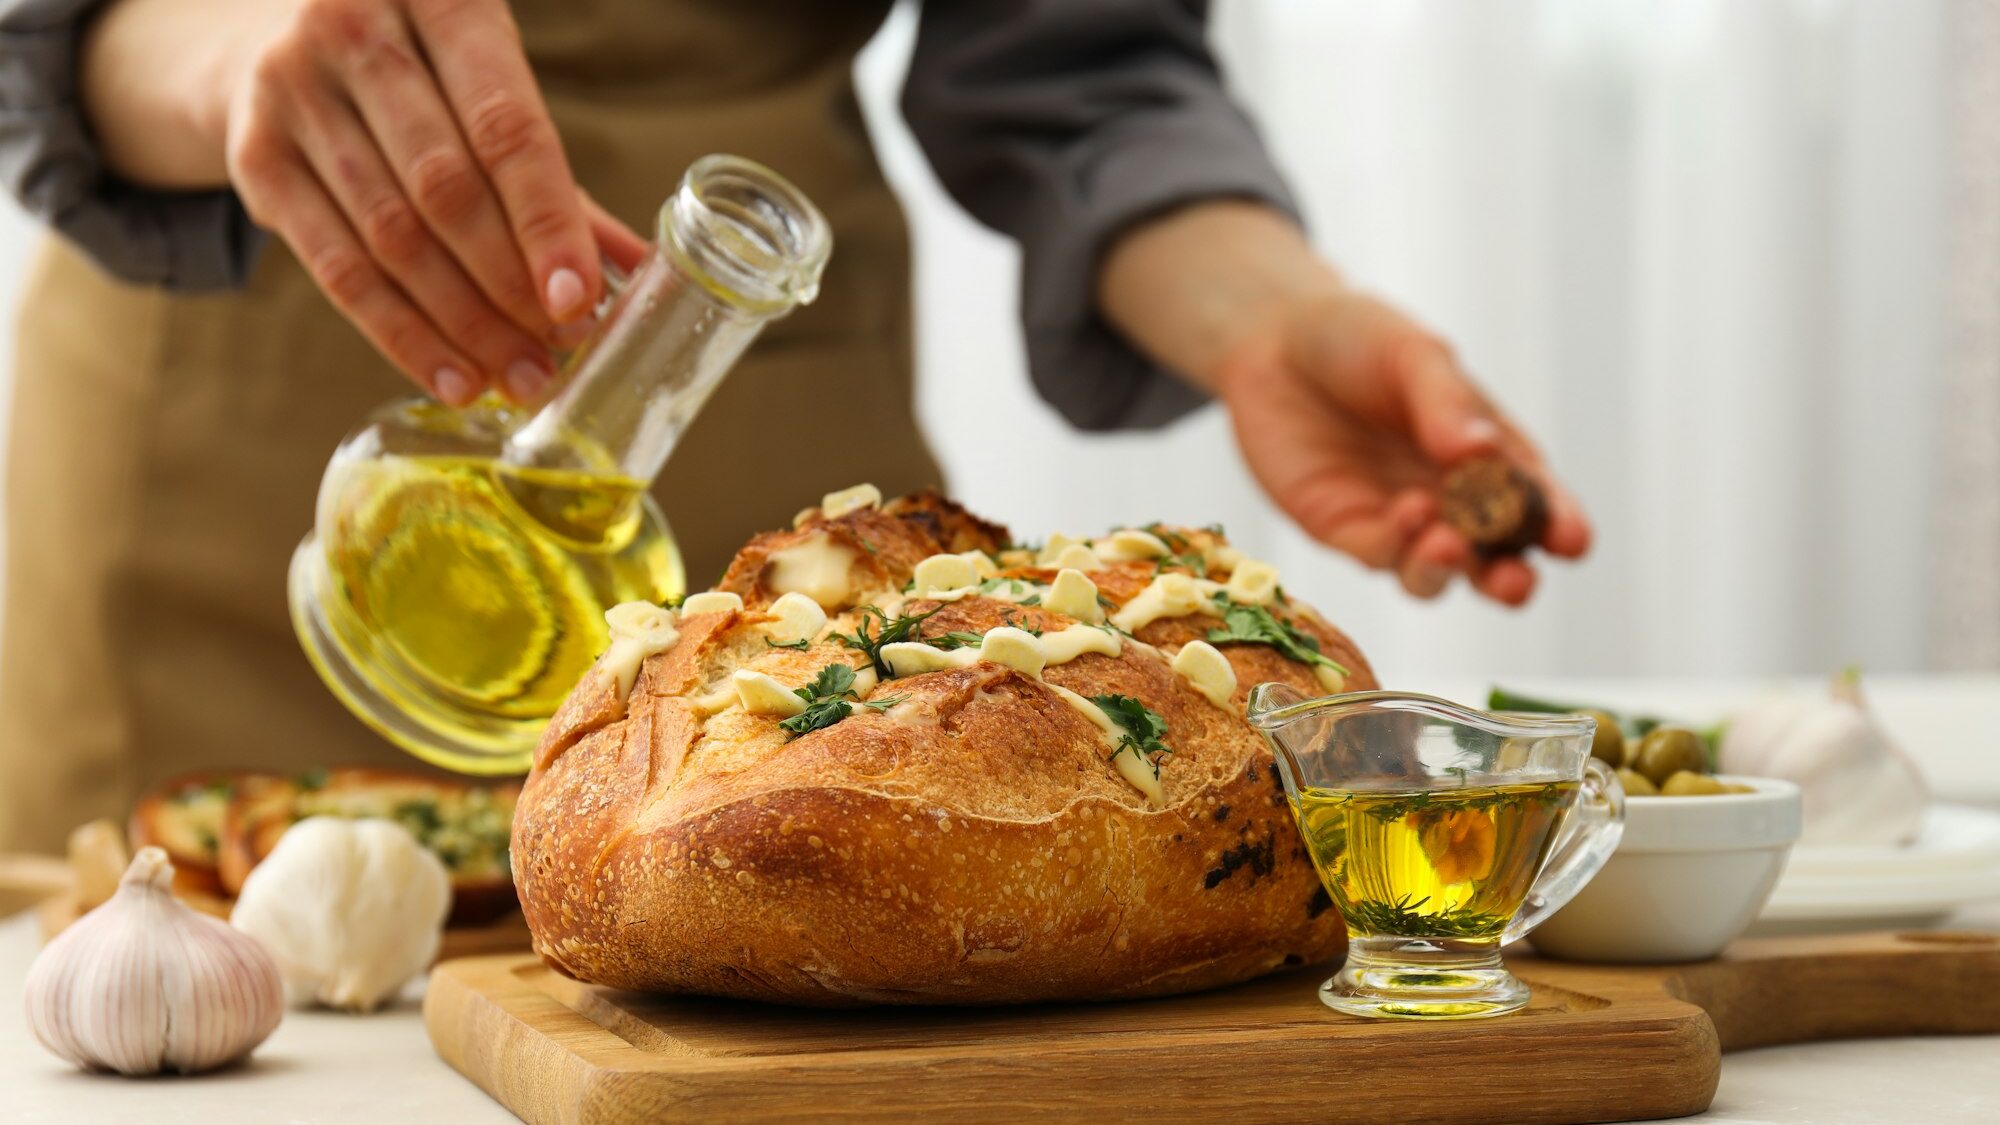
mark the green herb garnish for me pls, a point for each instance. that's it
(866, 638)
(1007, 619)
(954, 640)
(802, 644)
(1256, 625)
(1144, 729)
(1404, 918)
(830, 697)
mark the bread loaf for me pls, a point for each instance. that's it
(985, 816)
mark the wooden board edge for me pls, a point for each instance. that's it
(550, 1064)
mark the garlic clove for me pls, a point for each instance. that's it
(144, 984)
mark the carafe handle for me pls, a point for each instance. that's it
(1588, 838)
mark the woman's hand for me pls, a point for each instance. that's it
(1348, 413)
(399, 147)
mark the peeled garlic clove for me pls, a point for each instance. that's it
(143, 984)
(351, 910)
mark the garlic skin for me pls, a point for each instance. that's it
(145, 984)
(1856, 785)
(350, 909)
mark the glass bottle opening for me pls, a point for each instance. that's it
(746, 234)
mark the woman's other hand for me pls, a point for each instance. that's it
(1348, 413)
(401, 149)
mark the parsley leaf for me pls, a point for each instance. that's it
(870, 639)
(1257, 625)
(828, 699)
(802, 644)
(1144, 728)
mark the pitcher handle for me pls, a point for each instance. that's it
(1588, 839)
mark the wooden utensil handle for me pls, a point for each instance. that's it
(1921, 983)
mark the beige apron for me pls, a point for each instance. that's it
(166, 449)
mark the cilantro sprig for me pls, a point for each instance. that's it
(1144, 729)
(831, 697)
(1257, 625)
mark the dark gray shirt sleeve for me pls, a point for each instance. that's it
(50, 163)
(1061, 123)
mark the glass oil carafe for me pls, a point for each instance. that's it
(453, 588)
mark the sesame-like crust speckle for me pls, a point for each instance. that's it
(971, 844)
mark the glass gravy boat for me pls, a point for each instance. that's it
(1442, 833)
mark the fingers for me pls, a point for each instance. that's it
(1449, 418)
(1437, 555)
(1509, 581)
(282, 194)
(406, 114)
(361, 184)
(1569, 534)
(1452, 421)
(476, 52)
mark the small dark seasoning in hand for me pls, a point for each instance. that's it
(1496, 505)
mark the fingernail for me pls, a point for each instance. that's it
(565, 292)
(1433, 577)
(572, 334)
(1481, 431)
(525, 380)
(453, 387)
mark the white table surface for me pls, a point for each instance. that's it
(322, 1067)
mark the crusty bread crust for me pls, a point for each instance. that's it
(970, 845)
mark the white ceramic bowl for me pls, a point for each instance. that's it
(1688, 877)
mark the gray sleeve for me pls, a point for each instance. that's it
(1061, 123)
(50, 163)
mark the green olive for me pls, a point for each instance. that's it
(1608, 744)
(1733, 787)
(1688, 783)
(1666, 751)
(1637, 784)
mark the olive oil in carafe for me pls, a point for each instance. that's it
(481, 586)
(1438, 863)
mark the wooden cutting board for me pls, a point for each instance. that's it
(1597, 1043)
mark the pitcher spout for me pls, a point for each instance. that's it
(1380, 738)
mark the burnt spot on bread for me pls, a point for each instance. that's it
(1221, 813)
(1319, 903)
(1293, 960)
(1257, 855)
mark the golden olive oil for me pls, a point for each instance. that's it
(1435, 863)
(484, 585)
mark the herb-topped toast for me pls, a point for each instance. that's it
(895, 757)
(184, 816)
(464, 823)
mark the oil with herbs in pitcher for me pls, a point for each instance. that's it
(1434, 863)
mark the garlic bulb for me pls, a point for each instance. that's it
(1856, 785)
(144, 984)
(351, 910)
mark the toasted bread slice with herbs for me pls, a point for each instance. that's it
(465, 824)
(184, 817)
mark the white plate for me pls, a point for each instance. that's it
(1954, 863)
(1952, 838)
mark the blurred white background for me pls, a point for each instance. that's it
(1698, 246)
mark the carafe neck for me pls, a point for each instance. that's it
(738, 246)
